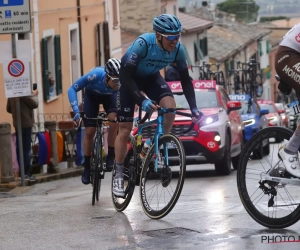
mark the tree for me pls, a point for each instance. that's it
(246, 10)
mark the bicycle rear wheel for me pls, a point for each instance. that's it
(121, 204)
(270, 203)
(160, 190)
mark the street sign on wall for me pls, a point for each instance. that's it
(16, 78)
(15, 16)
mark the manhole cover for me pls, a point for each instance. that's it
(101, 217)
(169, 232)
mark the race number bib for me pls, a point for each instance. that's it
(295, 107)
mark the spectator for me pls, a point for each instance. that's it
(51, 84)
(27, 105)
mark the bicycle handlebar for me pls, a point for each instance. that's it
(166, 110)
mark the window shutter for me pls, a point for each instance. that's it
(174, 9)
(205, 47)
(226, 68)
(232, 64)
(58, 74)
(260, 49)
(45, 69)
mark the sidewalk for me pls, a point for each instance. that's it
(40, 178)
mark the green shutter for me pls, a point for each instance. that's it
(260, 49)
(45, 69)
(57, 54)
(174, 9)
(205, 47)
(198, 52)
(268, 47)
(226, 68)
(187, 56)
(232, 64)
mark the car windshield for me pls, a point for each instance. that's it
(268, 107)
(279, 106)
(204, 98)
(245, 109)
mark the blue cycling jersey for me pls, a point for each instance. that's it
(94, 81)
(149, 58)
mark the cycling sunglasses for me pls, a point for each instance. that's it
(171, 37)
(114, 80)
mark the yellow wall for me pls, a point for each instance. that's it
(58, 15)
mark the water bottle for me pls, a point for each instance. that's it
(145, 148)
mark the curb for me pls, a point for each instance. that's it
(40, 178)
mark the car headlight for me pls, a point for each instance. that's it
(249, 122)
(209, 119)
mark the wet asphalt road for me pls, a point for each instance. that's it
(208, 215)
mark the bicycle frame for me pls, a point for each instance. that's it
(158, 132)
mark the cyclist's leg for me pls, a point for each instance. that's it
(109, 104)
(287, 64)
(160, 92)
(125, 110)
(90, 108)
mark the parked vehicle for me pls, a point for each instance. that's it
(274, 118)
(282, 112)
(253, 116)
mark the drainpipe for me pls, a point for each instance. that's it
(161, 8)
(80, 41)
(38, 64)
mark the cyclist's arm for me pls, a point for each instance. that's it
(79, 85)
(186, 82)
(134, 56)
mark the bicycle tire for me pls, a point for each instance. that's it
(119, 203)
(246, 82)
(246, 198)
(201, 75)
(221, 79)
(258, 88)
(177, 144)
(97, 152)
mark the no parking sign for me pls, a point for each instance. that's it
(16, 78)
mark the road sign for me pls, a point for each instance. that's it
(15, 68)
(16, 77)
(15, 16)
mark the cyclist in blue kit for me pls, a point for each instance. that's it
(140, 67)
(101, 86)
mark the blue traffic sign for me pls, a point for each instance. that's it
(8, 14)
(8, 3)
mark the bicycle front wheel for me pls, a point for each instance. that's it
(270, 203)
(160, 188)
(97, 167)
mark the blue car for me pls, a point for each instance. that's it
(252, 116)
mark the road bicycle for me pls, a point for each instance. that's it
(218, 75)
(268, 192)
(251, 80)
(98, 153)
(204, 70)
(161, 174)
(237, 83)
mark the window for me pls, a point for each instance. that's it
(51, 67)
(227, 68)
(115, 13)
(201, 49)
